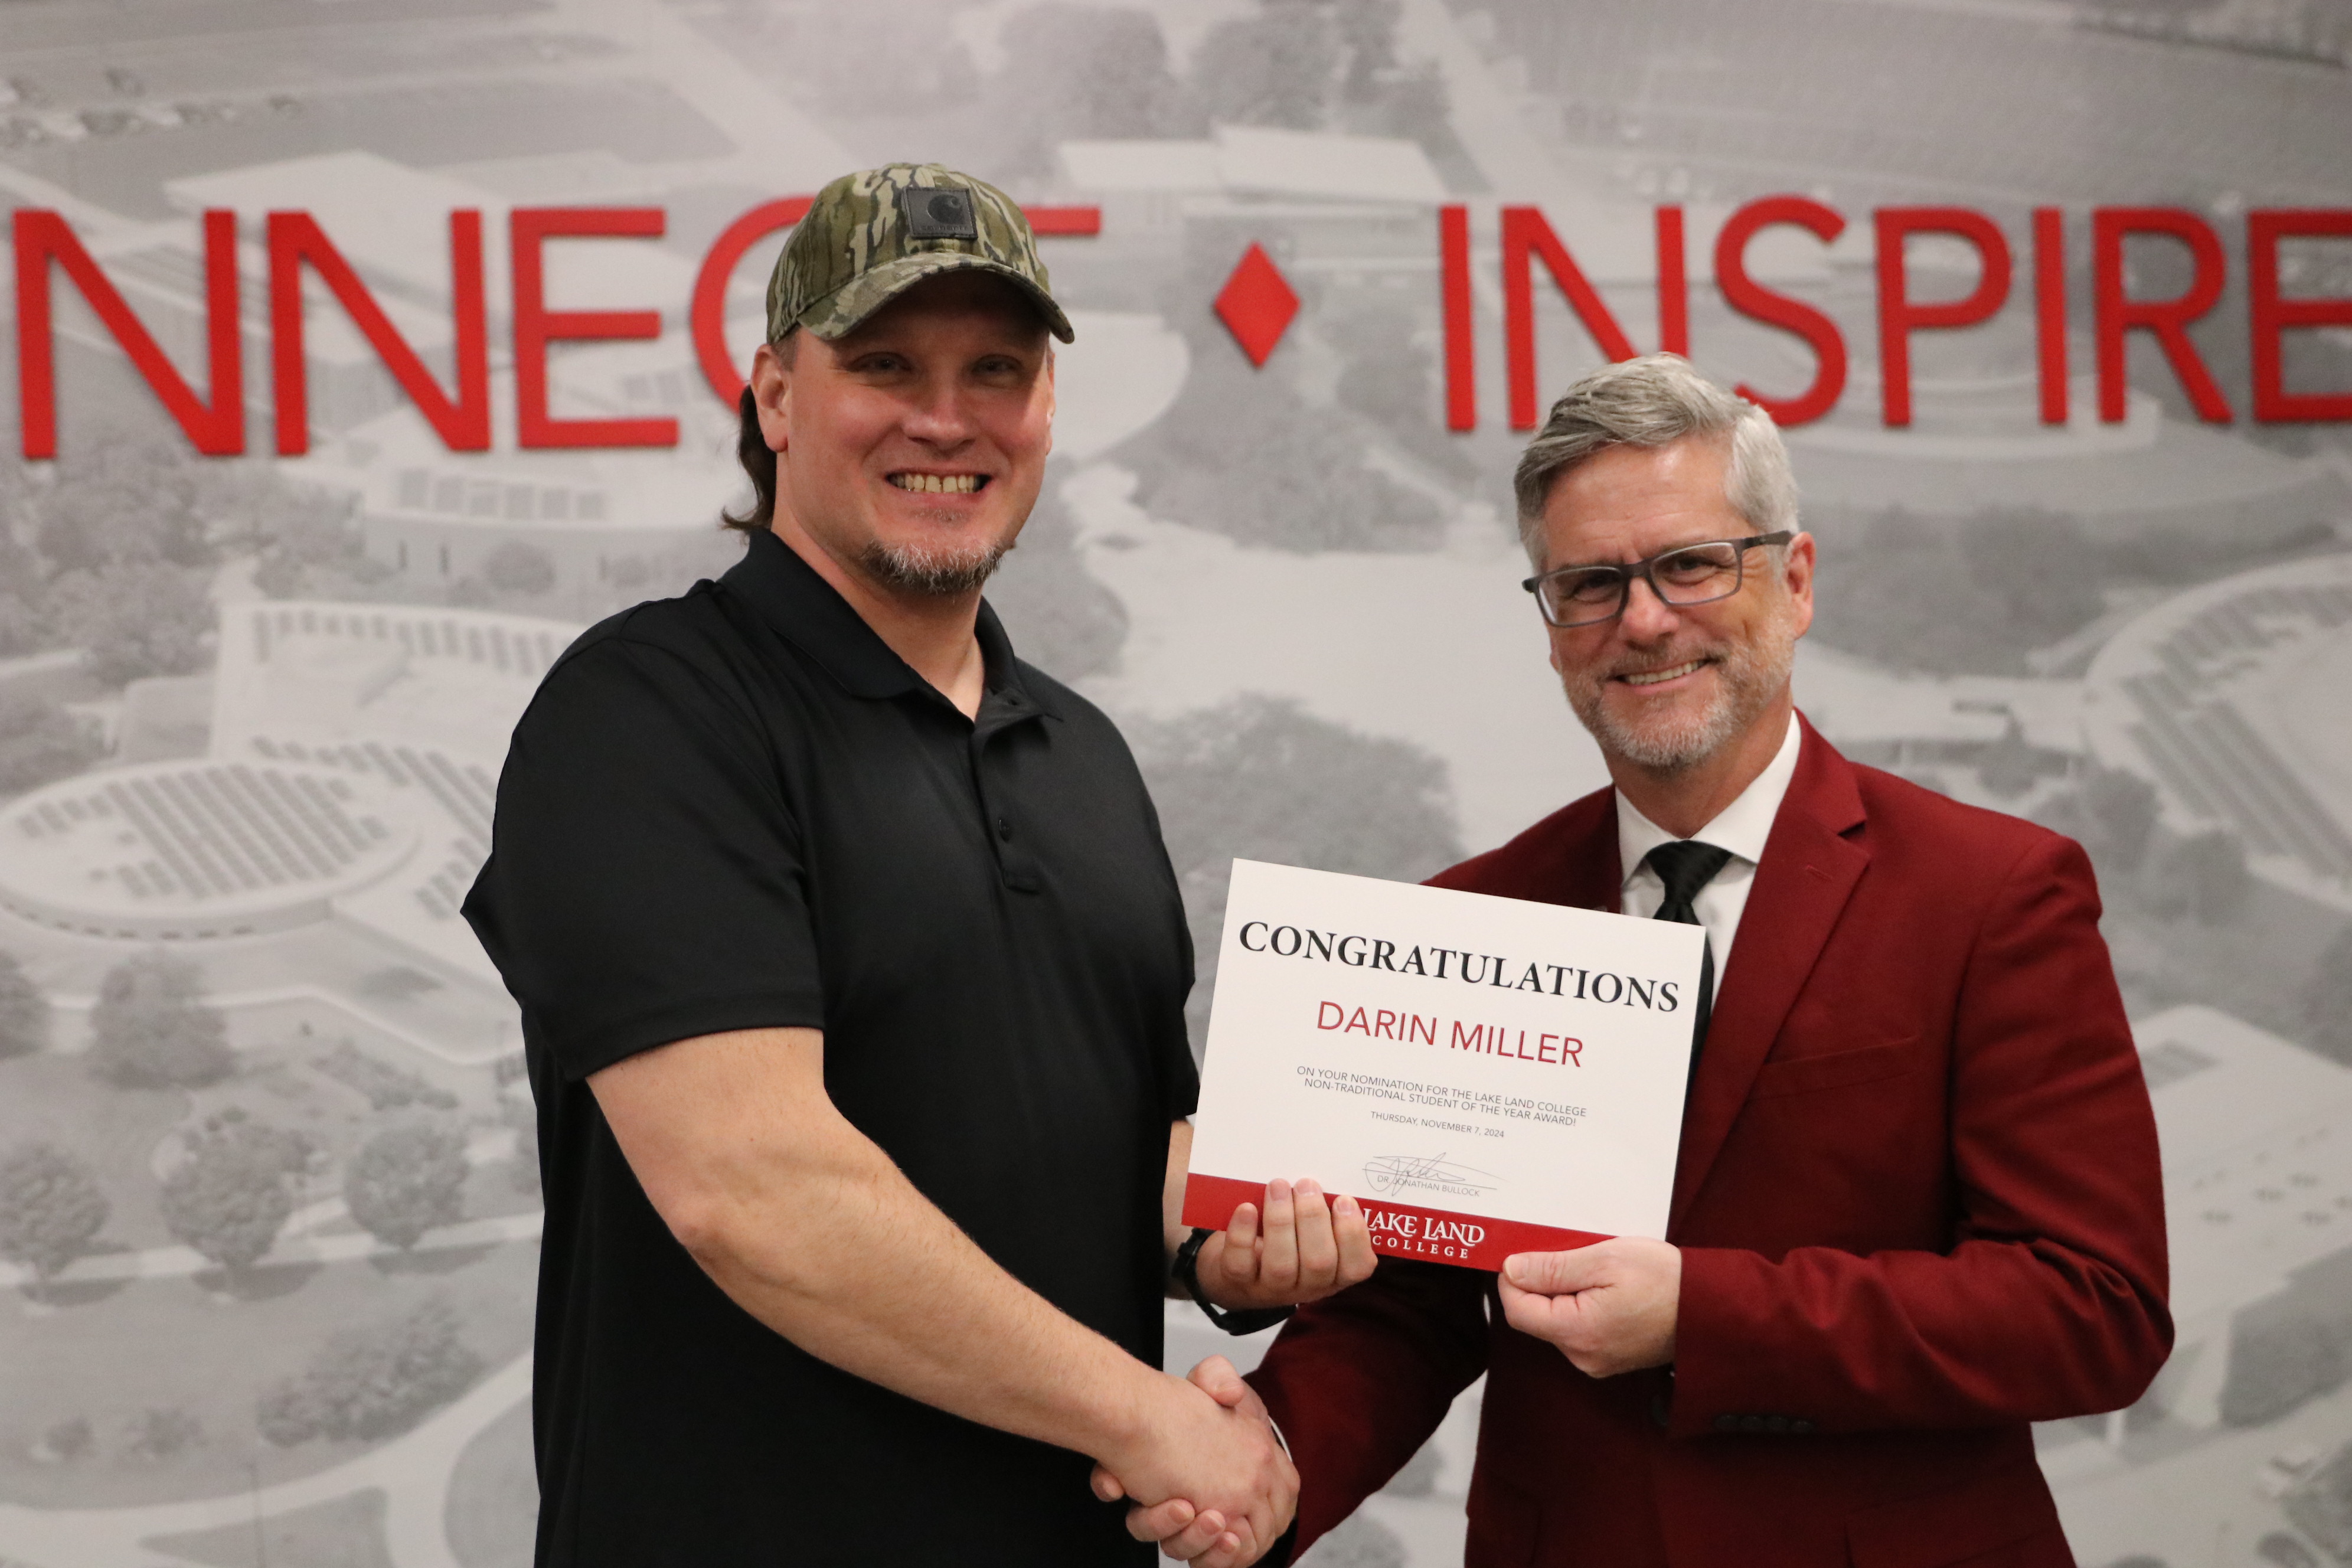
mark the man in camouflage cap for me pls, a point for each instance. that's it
(852, 972)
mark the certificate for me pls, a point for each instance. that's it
(1485, 1076)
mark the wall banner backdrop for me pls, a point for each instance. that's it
(360, 354)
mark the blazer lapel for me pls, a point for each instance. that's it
(1569, 857)
(1808, 871)
(1590, 877)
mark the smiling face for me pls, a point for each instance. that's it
(1663, 687)
(911, 451)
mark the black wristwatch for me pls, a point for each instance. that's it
(1187, 1269)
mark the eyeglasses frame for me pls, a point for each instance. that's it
(1628, 571)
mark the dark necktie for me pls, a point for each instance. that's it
(1686, 867)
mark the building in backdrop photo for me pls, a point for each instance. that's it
(364, 354)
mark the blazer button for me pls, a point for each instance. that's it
(1005, 829)
(1726, 1422)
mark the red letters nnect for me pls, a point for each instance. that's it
(44, 244)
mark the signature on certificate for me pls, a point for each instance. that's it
(1394, 1172)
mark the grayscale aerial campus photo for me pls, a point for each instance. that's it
(269, 1204)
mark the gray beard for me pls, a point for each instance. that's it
(931, 573)
(1751, 675)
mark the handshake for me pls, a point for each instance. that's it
(1207, 1474)
(1227, 1490)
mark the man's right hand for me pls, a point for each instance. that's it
(1210, 1480)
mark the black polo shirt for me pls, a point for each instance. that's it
(740, 809)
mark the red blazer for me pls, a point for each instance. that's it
(1918, 1203)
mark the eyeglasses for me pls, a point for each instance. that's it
(1685, 575)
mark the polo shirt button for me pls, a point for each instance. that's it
(1726, 1422)
(1005, 829)
(1751, 1423)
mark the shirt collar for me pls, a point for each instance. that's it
(1742, 828)
(810, 612)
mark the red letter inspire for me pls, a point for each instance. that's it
(2114, 313)
(1750, 298)
(1898, 317)
(2269, 315)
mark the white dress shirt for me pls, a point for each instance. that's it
(1741, 827)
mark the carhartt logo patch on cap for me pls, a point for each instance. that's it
(939, 212)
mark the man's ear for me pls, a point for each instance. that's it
(1799, 577)
(772, 392)
(1051, 395)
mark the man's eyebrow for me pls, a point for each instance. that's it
(1612, 565)
(1667, 550)
(851, 347)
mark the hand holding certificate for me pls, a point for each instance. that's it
(1292, 1249)
(1484, 1076)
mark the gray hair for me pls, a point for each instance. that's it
(1655, 401)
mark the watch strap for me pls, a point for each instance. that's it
(1187, 1269)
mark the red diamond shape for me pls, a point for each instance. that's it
(1257, 304)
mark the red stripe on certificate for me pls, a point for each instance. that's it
(1401, 1230)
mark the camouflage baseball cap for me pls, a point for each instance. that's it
(870, 235)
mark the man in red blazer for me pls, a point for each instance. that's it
(1917, 1203)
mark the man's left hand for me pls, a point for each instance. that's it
(1610, 1308)
(1302, 1250)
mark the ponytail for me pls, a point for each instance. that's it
(759, 464)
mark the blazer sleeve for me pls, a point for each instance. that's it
(2051, 1301)
(1358, 1381)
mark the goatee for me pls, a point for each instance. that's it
(1748, 676)
(939, 574)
